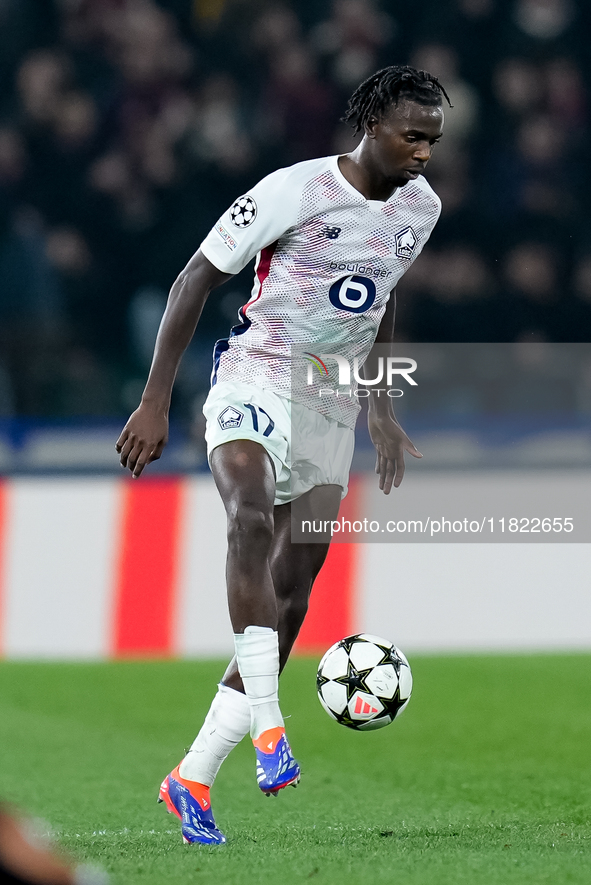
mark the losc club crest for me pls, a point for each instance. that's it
(230, 418)
(406, 241)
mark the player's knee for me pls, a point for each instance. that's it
(250, 523)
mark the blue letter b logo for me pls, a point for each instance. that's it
(353, 293)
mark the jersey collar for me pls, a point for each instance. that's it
(374, 205)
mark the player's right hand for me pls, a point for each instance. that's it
(143, 438)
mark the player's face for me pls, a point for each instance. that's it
(403, 140)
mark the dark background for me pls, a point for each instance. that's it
(128, 126)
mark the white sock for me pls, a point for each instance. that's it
(257, 656)
(225, 725)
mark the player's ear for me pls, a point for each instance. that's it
(370, 126)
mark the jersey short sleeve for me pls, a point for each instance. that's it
(254, 221)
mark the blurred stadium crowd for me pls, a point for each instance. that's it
(127, 126)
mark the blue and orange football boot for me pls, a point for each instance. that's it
(276, 767)
(190, 802)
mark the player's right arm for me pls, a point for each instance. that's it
(273, 206)
(145, 435)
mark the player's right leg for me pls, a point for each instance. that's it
(245, 471)
(245, 478)
(294, 568)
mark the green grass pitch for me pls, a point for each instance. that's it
(485, 779)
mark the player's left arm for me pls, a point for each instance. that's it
(388, 437)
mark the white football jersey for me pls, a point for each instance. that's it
(327, 261)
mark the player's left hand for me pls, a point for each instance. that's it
(391, 442)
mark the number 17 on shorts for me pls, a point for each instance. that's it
(255, 412)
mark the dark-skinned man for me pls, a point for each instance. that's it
(331, 237)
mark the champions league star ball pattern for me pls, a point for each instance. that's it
(243, 212)
(364, 682)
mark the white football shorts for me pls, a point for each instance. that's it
(307, 449)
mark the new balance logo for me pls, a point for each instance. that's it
(331, 233)
(363, 707)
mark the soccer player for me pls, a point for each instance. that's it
(332, 237)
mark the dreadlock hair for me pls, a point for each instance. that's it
(388, 87)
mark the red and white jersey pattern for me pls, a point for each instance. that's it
(327, 261)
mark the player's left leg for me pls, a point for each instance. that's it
(295, 566)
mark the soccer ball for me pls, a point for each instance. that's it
(364, 682)
(243, 212)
